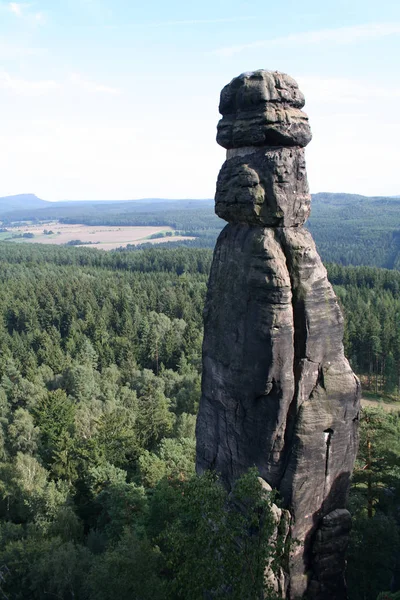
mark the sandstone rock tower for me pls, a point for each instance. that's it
(277, 391)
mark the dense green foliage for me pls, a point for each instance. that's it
(371, 302)
(99, 388)
(370, 296)
(374, 555)
(152, 260)
(356, 230)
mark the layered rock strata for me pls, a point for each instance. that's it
(277, 391)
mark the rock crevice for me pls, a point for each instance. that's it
(277, 391)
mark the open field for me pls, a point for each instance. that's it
(101, 237)
(386, 406)
(114, 245)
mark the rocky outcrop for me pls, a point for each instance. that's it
(262, 109)
(277, 391)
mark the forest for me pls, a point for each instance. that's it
(349, 229)
(100, 362)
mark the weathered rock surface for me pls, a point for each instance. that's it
(267, 187)
(262, 108)
(329, 549)
(277, 391)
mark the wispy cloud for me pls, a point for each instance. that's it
(32, 87)
(97, 8)
(40, 18)
(26, 87)
(92, 86)
(183, 22)
(25, 11)
(344, 91)
(200, 21)
(15, 8)
(10, 50)
(340, 35)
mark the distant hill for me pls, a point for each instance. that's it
(21, 202)
(91, 212)
(357, 230)
(348, 228)
(194, 218)
(346, 199)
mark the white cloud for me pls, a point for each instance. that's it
(341, 35)
(29, 87)
(201, 21)
(40, 18)
(343, 90)
(23, 11)
(89, 160)
(92, 86)
(15, 8)
(72, 144)
(354, 145)
(10, 51)
(26, 87)
(97, 9)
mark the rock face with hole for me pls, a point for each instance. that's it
(277, 390)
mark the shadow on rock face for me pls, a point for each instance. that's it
(326, 544)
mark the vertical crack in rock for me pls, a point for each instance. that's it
(328, 441)
(277, 391)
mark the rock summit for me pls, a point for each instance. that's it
(277, 390)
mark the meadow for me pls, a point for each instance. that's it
(104, 237)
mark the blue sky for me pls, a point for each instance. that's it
(119, 100)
